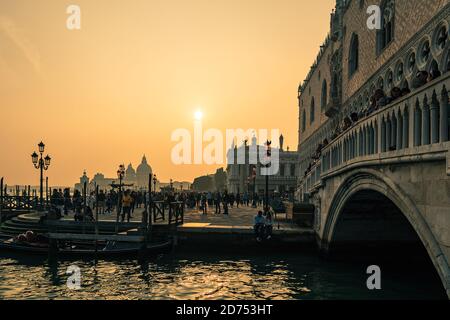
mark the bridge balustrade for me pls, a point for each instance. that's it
(412, 122)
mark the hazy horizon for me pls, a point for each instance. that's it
(135, 72)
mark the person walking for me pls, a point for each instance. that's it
(225, 201)
(204, 204)
(218, 201)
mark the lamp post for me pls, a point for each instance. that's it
(41, 164)
(120, 175)
(268, 155)
(154, 183)
(171, 184)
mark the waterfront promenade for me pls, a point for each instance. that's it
(199, 230)
(235, 231)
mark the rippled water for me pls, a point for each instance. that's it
(200, 276)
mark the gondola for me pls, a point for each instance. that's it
(81, 249)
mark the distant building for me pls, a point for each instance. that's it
(240, 176)
(138, 178)
(143, 172)
(204, 184)
(130, 175)
(220, 180)
(83, 179)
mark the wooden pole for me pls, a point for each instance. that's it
(96, 216)
(150, 200)
(119, 199)
(1, 200)
(84, 203)
(29, 198)
(46, 192)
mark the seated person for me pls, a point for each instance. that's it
(30, 236)
(420, 79)
(21, 238)
(405, 91)
(81, 216)
(53, 214)
(434, 74)
(259, 226)
(380, 98)
(396, 93)
(347, 124)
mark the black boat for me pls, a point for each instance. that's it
(99, 249)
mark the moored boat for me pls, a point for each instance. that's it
(82, 248)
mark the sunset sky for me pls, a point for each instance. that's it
(138, 70)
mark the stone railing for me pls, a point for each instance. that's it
(413, 127)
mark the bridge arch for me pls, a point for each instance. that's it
(370, 180)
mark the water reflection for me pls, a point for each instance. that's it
(176, 276)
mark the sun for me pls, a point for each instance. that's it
(198, 115)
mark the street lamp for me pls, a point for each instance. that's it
(171, 184)
(41, 164)
(154, 183)
(120, 175)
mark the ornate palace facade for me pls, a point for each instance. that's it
(354, 62)
(240, 176)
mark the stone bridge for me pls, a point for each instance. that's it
(387, 179)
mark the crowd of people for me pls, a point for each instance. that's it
(220, 202)
(377, 101)
(62, 202)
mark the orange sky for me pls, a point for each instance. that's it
(139, 69)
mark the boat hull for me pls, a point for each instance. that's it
(130, 250)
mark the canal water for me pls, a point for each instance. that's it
(207, 276)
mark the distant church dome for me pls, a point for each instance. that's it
(143, 172)
(130, 171)
(130, 174)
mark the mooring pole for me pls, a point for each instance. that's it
(84, 203)
(46, 192)
(96, 217)
(150, 200)
(1, 200)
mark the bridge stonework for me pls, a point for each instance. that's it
(385, 177)
(414, 178)
(418, 189)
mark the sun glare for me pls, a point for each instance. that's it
(198, 115)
